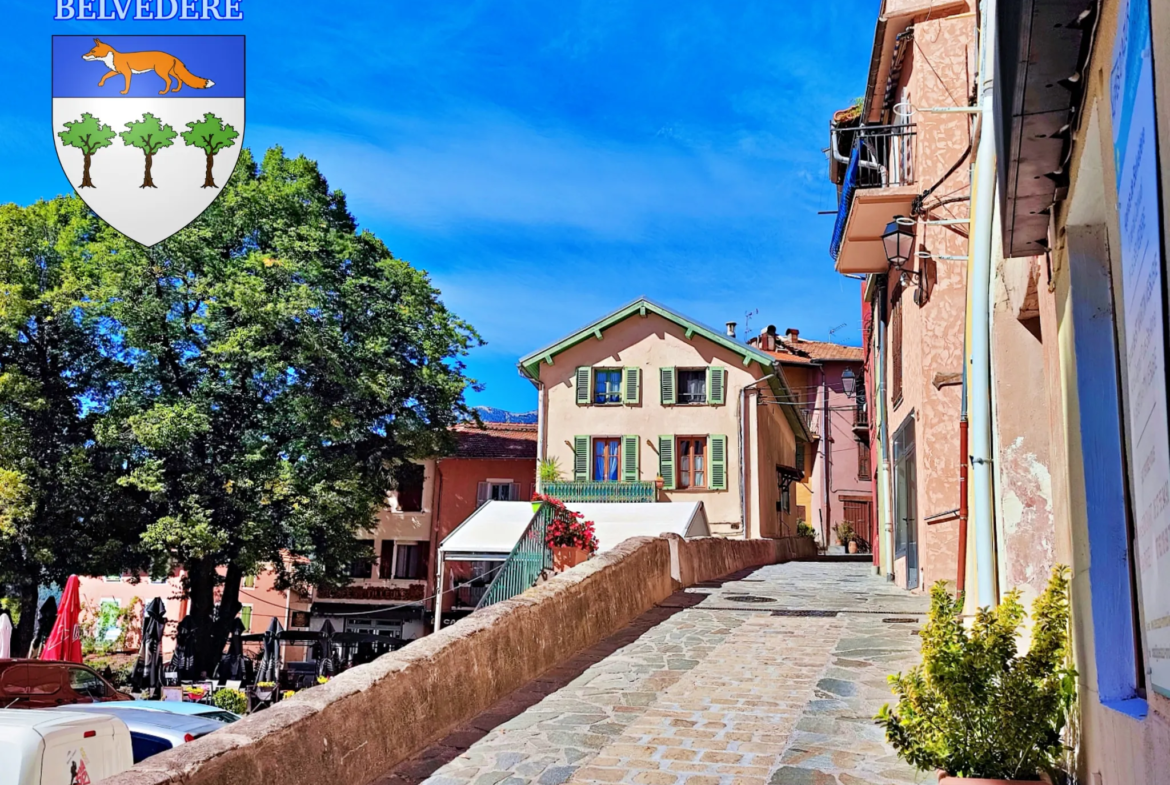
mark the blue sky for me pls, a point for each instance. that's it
(544, 162)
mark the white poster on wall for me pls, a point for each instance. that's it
(1136, 159)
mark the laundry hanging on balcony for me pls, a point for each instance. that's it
(848, 186)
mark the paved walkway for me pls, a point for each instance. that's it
(765, 678)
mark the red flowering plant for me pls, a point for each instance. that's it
(567, 529)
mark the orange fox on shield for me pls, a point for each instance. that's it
(127, 63)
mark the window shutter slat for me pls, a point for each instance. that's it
(666, 460)
(583, 382)
(631, 385)
(481, 493)
(514, 492)
(580, 459)
(718, 463)
(630, 459)
(666, 382)
(715, 384)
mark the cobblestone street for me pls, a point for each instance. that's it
(768, 677)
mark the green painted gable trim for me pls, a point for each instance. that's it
(530, 364)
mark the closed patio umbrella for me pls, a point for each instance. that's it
(64, 642)
(327, 663)
(269, 669)
(46, 618)
(183, 658)
(148, 670)
(5, 636)
(233, 665)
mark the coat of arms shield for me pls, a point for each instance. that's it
(148, 128)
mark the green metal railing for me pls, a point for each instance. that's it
(524, 564)
(602, 491)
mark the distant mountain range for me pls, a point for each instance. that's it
(492, 414)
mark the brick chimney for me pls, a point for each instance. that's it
(768, 338)
(792, 334)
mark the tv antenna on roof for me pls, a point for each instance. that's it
(833, 332)
(747, 320)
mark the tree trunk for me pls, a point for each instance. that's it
(146, 181)
(212, 624)
(85, 181)
(22, 635)
(208, 181)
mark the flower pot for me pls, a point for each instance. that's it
(659, 483)
(536, 506)
(853, 546)
(565, 557)
(946, 779)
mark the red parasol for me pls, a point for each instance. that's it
(64, 641)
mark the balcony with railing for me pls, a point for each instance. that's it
(602, 491)
(878, 183)
(860, 416)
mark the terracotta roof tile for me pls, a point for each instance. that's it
(821, 350)
(496, 440)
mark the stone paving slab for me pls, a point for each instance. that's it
(725, 683)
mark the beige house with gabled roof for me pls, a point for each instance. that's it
(645, 394)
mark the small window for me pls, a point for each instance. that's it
(800, 458)
(362, 566)
(249, 581)
(692, 462)
(386, 560)
(607, 386)
(692, 386)
(246, 617)
(409, 479)
(606, 459)
(502, 492)
(412, 561)
(863, 472)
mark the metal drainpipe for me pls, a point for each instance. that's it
(884, 434)
(979, 377)
(539, 434)
(827, 427)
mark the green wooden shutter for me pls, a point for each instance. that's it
(584, 381)
(716, 378)
(246, 617)
(580, 459)
(630, 459)
(666, 382)
(718, 459)
(631, 385)
(666, 459)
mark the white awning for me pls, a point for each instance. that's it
(489, 534)
(493, 530)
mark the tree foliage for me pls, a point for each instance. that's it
(975, 707)
(279, 365)
(61, 510)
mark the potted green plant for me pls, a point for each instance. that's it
(804, 530)
(549, 470)
(976, 709)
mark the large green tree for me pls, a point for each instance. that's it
(210, 135)
(61, 510)
(88, 135)
(149, 135)
(280, 366)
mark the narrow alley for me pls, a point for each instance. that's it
(767, 676)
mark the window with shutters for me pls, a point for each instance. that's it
(863, 461)
(363, 565)
(607, 385)
(800, 458)
(692, 385)
(246, 617)
(408, 479)
(896, 350)
(692, 462)
(386, 560)
(606, 458)
(410, 562)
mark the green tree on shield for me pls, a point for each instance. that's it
(210, 135)
(88, 135)
(149, 135)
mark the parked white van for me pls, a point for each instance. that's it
(61, 748)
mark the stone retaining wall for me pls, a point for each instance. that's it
(368, 719)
